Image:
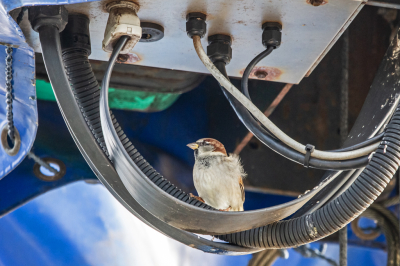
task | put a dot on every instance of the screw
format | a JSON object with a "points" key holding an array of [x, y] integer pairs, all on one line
{"points": [[261, 74], [32, 98]]}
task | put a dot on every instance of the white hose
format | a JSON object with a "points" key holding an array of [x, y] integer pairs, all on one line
{"points": [[331, 156]]}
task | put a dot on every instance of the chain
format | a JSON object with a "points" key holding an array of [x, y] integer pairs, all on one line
{"points": [[9, 108], [9, 93]]}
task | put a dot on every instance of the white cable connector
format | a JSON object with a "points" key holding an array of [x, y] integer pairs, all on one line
{"points": [[122, 21], [325, 155]]}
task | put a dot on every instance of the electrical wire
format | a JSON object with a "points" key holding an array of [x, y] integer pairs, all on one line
{"points": [[391, 201], [249, 68], [260, 133], [266, 122], [373, 140], [245, 90]]}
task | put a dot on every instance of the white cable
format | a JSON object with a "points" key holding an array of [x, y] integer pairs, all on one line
{"points": [[332, 156]]}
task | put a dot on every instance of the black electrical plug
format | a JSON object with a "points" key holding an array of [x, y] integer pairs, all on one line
{"points": [[272, 34], [219, 48], [196, 24], [56, 16], [219, 51]]}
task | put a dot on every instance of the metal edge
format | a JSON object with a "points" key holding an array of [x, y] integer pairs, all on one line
{"points": [[328, 48]]}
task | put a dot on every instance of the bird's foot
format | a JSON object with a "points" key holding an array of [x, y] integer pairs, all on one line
{"points": [[198, 198], [226, 210]]}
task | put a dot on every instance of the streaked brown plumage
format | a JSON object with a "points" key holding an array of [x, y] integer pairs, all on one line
{"points": [[218, 177]]}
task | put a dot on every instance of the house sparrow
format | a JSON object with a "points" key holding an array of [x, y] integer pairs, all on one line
{"points": [[217, 176]]}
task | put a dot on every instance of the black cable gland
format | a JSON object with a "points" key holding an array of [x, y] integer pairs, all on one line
{"points": [[219, 48], [196, 24], [272, 34], [76, 34], [48, 16]]}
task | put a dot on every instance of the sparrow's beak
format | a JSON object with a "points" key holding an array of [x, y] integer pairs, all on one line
{"points": [[193, 146]]}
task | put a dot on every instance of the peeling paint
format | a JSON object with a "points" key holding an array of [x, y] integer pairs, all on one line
{"points": [[383, 105], [393, 99], [312, 230], [396, 49]]}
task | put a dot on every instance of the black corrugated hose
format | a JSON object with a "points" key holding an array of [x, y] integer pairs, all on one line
{"points": [[283, 234], [338, 213]]}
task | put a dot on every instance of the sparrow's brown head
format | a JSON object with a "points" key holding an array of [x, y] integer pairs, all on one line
{"points": [[207, 145]]}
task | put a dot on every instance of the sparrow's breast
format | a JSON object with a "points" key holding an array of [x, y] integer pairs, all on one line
{"points": [[217, 184]]}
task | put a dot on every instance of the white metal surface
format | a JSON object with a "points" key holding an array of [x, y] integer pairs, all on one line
{"points": [[308, 33]]}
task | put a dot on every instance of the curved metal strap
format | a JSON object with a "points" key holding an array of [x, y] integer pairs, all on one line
{"points": [[170, 209], [99, 163]]}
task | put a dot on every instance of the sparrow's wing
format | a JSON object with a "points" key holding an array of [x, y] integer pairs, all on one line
{"points": [[241, 185]]}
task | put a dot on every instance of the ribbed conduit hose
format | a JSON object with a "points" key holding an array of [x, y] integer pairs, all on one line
{"points": [[87, 95], [283, 234], [336, 214]]}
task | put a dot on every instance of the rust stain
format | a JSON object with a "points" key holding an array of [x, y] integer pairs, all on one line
{"points": [[265, 73], [240, 22], [131, 58], [317, 2], [209, 17]]}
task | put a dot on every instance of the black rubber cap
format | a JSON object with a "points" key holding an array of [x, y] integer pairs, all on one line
{"points": [[48, 16], [196, 24], [220, 38], [219, 48], [272, 34]]}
